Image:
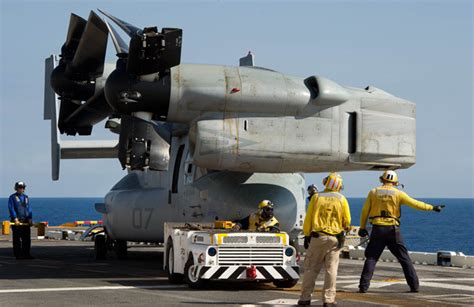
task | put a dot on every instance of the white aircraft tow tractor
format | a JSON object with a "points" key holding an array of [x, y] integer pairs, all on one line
{"points": [[214, 252]]}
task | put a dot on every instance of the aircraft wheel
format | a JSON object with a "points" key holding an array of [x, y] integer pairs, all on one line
{"points": [[120, 247], [173, 278], [100, 247], [190, 276], [285, 283]]}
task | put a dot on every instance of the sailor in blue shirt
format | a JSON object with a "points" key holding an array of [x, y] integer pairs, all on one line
{"points": [[22, 217]]}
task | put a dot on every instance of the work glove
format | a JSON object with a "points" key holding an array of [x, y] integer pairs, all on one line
{"points": [[363, 232], [17, 222], [274, 229], [237, 227], [307, 240], [438, 208]]}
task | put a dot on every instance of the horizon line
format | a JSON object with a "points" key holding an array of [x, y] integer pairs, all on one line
{"points": [[430, 197]]}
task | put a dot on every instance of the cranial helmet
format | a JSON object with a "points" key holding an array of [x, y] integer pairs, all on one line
{"points": [[19, 184], [389, 176], [265, 203], [333, 182], [312, 189]]}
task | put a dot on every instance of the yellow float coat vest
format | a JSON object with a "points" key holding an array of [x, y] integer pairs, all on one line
{"points": [[382, 206], [327, 212], [256, 223]]}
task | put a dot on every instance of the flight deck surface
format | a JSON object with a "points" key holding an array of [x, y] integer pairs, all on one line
{"points": [[66, 273]]}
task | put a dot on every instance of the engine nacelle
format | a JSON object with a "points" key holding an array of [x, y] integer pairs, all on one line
{"points": [[350, 141]]}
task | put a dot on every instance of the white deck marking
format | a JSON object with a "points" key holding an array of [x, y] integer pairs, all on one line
{"points": [[373, 285], [42, 266], [447, 286], [280, 301], [348, 276], [91, 288], [457, 298], [428, 282], [451, 297]]}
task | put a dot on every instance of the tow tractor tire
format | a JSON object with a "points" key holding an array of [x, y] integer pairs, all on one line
{"points": [[285, 283], [100, 247], [120, 248], [191, 279], [173, 278]]}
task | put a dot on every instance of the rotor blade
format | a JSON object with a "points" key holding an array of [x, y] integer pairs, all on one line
{"points": [[128, 28], [90, 54], [120, 46], [74, 33], [67, 107], [91, 112]]}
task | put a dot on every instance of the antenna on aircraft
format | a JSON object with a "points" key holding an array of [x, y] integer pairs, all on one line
{"points": [[247, 60]]}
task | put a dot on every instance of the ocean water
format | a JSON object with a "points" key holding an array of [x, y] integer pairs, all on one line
{"points": [[425, 231]]}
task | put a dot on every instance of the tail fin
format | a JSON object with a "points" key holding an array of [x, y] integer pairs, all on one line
{"points": [[51, 106]]}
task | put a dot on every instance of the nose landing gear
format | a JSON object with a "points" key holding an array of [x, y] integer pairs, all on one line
{"points": [[103, 244]]}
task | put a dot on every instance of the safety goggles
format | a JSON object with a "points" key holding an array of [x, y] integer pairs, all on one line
{"points": [[268, 209]]}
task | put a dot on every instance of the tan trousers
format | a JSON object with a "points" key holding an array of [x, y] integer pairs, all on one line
{"points": [[321, 251]]}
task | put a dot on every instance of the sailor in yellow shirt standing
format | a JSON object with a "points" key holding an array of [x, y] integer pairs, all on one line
{"points": [[382, 208], [327, 217]]}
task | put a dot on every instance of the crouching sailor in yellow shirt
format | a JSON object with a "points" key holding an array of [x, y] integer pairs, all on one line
{"points": [[262, 220], [327, 217], [382, 207]]}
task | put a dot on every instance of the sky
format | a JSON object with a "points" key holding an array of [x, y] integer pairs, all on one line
{"points": [[421, 51]]}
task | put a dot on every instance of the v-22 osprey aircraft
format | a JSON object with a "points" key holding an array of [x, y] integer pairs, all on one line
{"points": [[208, 142]]}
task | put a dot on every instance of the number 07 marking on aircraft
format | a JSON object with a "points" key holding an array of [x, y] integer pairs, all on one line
{"points": [[141, 217]]}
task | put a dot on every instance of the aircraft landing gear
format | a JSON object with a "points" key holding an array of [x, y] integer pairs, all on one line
{"points": [[103, 243], [100, 247], [120, 248]]}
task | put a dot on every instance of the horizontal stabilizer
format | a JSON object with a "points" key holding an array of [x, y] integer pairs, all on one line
{"points": [[89, 149]]}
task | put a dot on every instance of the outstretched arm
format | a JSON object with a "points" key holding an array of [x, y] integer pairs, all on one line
{"points": [[415, 204]]}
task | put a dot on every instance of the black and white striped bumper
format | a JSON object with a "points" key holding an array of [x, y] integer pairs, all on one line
{"points": [[264, 272]]}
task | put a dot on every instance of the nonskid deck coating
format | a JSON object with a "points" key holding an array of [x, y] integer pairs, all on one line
{"points": [[65, 272]]}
